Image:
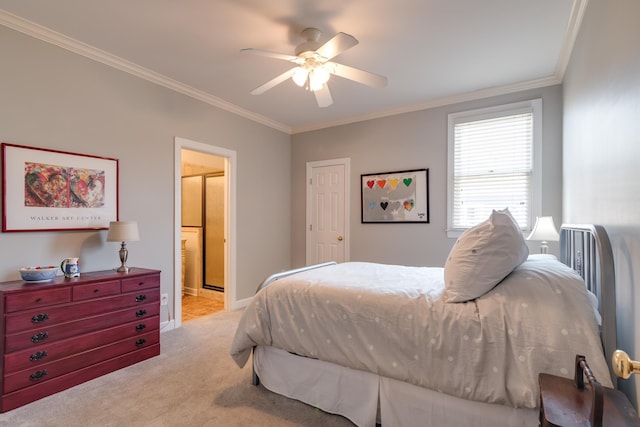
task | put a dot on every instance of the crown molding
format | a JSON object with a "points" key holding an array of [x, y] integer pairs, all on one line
{"points": [[578, 9], [436, 102], [49, 36]]}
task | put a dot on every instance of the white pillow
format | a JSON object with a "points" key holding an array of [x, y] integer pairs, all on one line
{"points": [[482, 256]]}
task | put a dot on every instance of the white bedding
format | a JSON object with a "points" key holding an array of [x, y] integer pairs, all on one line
{"points": [[489, 350]]}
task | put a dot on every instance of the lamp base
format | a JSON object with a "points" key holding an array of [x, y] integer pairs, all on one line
{"points": [[123, 269], [124, 253], [544, 247]]}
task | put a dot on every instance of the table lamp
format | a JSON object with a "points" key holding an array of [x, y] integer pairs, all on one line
{"points": [[123, 231], [544, 231]]}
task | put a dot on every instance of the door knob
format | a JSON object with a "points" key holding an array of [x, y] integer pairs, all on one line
{"points": [[339, 238]]}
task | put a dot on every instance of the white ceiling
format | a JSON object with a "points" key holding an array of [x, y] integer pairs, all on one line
{"points": [[433, 52]]}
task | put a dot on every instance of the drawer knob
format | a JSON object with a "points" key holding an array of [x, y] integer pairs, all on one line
{"points": [[140, 342], [38, 318], [141, 327], [40, 336], [141, 313], [38, 375], [141, 298], [38, 356]]}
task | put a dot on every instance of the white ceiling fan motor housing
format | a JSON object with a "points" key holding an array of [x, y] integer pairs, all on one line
{"points": [[312, 35]]}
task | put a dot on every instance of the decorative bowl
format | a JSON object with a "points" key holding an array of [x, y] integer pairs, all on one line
{"points": [[38, 274]]}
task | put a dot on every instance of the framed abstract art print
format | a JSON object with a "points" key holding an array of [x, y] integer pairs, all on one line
{"points": [[45, 190]]}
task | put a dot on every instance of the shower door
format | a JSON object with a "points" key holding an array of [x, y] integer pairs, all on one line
{"points": [[214, 232]]}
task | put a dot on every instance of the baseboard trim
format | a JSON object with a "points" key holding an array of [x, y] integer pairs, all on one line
{"points": [[167, 325]]}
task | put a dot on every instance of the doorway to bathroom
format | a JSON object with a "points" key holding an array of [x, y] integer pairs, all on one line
{"points": [[203, 187], [204, 231]]}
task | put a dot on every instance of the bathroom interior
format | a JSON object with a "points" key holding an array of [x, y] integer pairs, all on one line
{"points": [[203, 245]]}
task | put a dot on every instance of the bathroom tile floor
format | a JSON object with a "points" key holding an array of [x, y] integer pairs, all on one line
{"points": [[194, 307]]}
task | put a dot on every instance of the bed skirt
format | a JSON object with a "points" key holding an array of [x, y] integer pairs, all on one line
{"points": [[367, 399]]}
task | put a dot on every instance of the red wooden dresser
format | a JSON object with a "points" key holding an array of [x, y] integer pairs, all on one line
{"points": [[61, 333]]}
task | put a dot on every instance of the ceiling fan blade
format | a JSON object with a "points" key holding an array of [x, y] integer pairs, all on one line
{"points": [[357, 75], [338, 44], [270, 54], [323, 96], [273, 82]]}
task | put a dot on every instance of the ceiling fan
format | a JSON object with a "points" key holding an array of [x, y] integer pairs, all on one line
{"points": [[314, 66]]}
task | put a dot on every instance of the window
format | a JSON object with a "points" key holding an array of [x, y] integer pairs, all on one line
{"points": [[493, 164]]}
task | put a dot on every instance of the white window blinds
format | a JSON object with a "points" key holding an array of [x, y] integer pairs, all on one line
{"points": [[491, 167]]}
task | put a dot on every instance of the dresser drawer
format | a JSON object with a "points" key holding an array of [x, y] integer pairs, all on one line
{"points": [[50, 333], [141, 282], [46, 352], [49, 316], [37, 298], [44, 372], [95, 290]]}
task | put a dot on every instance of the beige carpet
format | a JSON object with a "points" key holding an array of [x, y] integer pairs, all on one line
{"points": [[194, 382]]}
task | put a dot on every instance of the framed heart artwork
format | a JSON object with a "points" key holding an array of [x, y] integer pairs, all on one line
{"points": [[392, 197]]}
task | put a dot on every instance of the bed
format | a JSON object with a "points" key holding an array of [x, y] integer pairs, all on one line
{"points": [[402, 346]]}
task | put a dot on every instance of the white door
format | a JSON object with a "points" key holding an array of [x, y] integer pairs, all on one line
{"points": [[327, 211]]}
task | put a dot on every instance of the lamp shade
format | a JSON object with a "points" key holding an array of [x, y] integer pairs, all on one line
{"points": [[544, 230], [123, 231]]}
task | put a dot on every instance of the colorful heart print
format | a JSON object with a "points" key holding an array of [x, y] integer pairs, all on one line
{"points": [[407, 181], [372, 205], [384, 205], [371, 183], [408, 204], [393, 183], [382, 183]]}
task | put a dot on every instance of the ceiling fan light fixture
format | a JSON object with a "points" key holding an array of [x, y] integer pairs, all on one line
{"points": [[300, 76], [314, 66], [318, 77], [321, 74]]}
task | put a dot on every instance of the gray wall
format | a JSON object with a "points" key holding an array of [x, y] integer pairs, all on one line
{"points": [[411, 141], [55, 99], [602, 149]]}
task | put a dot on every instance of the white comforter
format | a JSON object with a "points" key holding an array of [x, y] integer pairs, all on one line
{"points": [[392, 320]]}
